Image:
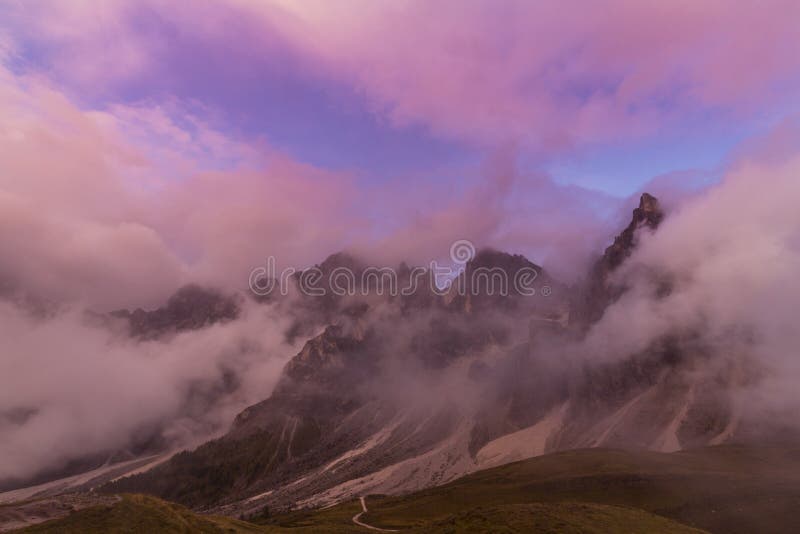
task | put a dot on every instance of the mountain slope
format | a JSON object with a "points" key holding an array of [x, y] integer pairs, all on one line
{"points": [[138, 513], [723, 489], [727, 489], [340, 410], [392, 398]]}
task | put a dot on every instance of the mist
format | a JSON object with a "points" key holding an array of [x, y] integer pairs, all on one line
{"points": [[80, 388], [721, 272]]}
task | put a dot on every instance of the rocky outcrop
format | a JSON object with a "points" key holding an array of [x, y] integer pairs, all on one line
{"points": [[648, 215], [600, 291], [190, 308], [495, 280]]}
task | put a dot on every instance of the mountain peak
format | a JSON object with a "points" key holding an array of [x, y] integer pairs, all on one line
{"points": [[649, 211], [341, 259], [649, 214], [648, 201], [191, 307], [491, 258]]}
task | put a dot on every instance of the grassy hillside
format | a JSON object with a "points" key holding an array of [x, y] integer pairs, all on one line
{"points": [[718, 489], [560, 518], [142, 514]]}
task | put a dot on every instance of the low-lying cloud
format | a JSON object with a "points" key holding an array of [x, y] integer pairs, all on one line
{"points": [[722, 270], [74, 388]]}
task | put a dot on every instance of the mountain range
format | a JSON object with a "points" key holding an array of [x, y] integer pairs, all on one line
{"points": [[400, 393]]}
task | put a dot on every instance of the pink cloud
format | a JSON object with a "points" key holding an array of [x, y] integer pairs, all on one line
{"points": [[120, 206], [546, 74], [166, 184], [539, 73], [731, 258], [500, 206]]}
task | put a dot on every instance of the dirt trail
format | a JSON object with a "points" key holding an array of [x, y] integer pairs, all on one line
{"points": [[357, 518]]}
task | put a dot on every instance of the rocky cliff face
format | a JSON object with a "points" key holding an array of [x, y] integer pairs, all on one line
{"points": [[600, 291], [397, 394], [648, 215]]}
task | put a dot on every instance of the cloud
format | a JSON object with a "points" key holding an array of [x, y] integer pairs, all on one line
{"points": [[547, 76], [538, 74], [730, 258], [120, 206], [502, 206], [104, 393], [131, 201]]}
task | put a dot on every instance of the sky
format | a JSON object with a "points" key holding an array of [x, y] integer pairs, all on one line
{"points": [[149, 143]]}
